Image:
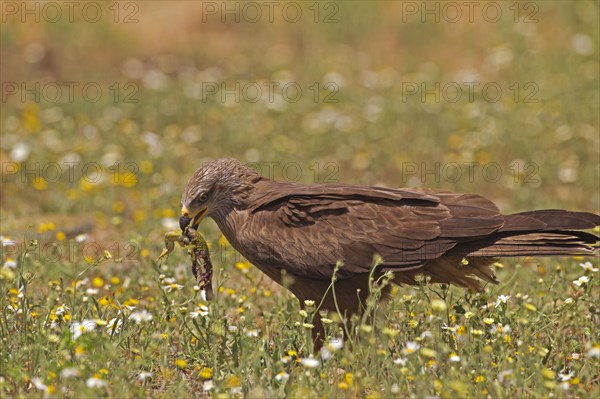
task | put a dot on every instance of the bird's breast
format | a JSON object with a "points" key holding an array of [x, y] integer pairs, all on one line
{"points": [[251, 242]]}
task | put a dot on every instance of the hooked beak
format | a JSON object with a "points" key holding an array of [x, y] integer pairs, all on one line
{"points": [[186, 218]]}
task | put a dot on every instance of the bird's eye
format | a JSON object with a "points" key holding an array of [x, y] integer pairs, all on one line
{"points": [[201, 198]]}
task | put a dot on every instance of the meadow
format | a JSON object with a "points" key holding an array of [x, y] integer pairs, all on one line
{"points": [[103, 122]]}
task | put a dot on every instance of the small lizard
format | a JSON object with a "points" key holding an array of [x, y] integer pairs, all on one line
{"points": [[199, 254]]}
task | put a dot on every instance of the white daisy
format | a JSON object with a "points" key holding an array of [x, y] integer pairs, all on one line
{"points": [[310, 362], [588, 266], [141, 316], [502, 299], [583, 280], [95, 382], [78, 329]]}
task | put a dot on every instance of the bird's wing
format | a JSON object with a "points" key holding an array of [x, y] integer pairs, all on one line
{"points": [[274, 192], [308, 229]]}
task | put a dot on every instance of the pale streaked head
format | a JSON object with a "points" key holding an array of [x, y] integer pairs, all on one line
{"points": [[214, 189]]}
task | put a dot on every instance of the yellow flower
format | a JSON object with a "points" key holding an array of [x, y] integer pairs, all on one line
{"points": [[428, 352], [390, 332], [146, 167], [479, 379], [223, 241], [438, 305], [126, 179], [118, 206], [366, 328], [86, 185], [79, 350], [242, 266], [343, 385], [455, 141], [105, 301], [40, 184], [205, 373], [267, 293], [349, 378], [72, 195], [30, 119], [550, 384], [130, 302], [530, 307], [98, 282], [541, 269], [549, 374], [139, 216], [167, 213], [180, 363], [233, 381]]}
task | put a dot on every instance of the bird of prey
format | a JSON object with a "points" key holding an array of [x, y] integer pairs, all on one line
{"points": [[305, 230]]}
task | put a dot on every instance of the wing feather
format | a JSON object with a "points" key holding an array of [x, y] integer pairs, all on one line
{"points": [[328, 223]]}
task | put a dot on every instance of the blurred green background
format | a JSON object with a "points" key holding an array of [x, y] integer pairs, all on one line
{"points": [[150, 127]]}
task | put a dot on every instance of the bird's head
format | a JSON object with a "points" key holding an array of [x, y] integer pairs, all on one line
{"points": [[216, 187]]}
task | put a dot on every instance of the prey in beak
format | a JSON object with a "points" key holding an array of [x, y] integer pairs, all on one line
{"points": [[185, 219]]}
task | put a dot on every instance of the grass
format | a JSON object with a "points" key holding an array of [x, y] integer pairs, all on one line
{"points": [[149, 333], [87, 312]]}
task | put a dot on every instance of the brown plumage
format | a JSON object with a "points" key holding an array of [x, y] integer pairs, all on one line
{"points": [[306, 229]]}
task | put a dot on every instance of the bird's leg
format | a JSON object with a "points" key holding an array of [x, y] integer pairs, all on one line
{"points": [[318, 333]]}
